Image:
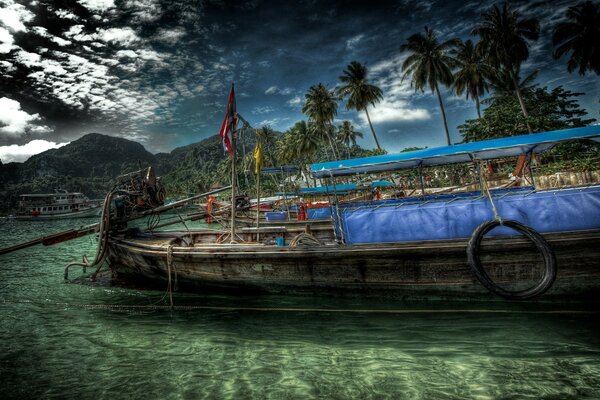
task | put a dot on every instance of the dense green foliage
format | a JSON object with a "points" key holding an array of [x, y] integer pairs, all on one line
{"points": [[548, 110]]}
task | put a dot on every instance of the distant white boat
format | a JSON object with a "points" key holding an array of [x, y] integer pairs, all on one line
{"points": [[58, 205]]}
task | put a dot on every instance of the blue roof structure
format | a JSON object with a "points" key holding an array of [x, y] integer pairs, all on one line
{"points": [[342, 189], [459, 153]]}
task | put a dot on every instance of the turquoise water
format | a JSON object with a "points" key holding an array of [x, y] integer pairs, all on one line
{"points": [[83, 340]]}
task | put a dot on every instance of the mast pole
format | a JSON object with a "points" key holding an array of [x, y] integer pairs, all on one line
{"points": [[233, 176]]}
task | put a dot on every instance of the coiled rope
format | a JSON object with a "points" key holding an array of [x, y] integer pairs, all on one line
{"points": [[304, 239]]}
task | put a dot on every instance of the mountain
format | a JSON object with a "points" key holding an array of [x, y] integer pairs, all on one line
{"points": [[90, 164]]}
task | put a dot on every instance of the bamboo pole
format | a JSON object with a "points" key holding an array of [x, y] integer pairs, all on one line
{"points": [[233, 183], [258, 206]]}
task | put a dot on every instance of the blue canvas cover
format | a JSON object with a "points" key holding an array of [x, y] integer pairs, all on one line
{"points": [[319, 213], [545, 211]]}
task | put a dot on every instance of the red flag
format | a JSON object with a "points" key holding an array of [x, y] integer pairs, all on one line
{"points": [[229, 123]]}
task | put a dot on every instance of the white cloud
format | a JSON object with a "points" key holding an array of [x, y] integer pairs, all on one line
{"points": [[122, 36], [390, 110], [6, 41], [397, 93], [44, 33], [169, 36], [276, 90], [15, 122], [14, 15], [273, 123], [294, 102], [17, 153], [97, 5], [352, 42], [262, 110], [65, 14]]}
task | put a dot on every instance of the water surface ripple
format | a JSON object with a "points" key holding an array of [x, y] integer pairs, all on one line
{"points": [[83, 340]]}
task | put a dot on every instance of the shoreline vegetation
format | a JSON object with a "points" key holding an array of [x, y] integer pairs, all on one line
{"points": [[486, 70]]}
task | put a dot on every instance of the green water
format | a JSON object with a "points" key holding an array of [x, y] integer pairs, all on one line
{"points": [[83, 340]]}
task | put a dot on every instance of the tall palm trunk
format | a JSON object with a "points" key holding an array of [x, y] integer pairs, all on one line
{"points": [[333, 149], [478, 106], [520, 97], [437, 90], [372, 130]]}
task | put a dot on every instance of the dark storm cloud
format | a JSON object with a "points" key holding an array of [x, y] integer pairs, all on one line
{"points": [[159, 71]]}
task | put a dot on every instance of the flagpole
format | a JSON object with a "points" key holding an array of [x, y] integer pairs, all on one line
{"points": [[233, 177]]}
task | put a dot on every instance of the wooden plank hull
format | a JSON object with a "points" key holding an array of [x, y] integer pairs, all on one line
{"points": [[398, 270]]}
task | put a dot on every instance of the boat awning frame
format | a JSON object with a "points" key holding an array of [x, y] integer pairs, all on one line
{"points": [[280, 170], [460, 153], [343, 188]]}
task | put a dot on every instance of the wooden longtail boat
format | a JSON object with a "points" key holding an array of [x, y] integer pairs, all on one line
{"points": [[431, 246]]}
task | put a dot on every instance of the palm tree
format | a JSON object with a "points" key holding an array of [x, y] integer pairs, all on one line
{"points": [[581, 36], [428, 64], [307, 143], [471, 73], [504, 39], [267, 138], [501, 84], [346, 135], [321, 107], [359, 92]]}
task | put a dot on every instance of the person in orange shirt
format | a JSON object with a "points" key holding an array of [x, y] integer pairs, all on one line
{"points": [[209, 207]]}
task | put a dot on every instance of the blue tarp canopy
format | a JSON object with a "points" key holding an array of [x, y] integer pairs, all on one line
{"points": [[459, 153], [343, 188]]}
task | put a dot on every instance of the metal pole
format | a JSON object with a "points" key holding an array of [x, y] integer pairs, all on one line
{"points": [[422, 182], [529, 156]]}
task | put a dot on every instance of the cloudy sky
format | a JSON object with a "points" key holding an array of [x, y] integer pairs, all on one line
{"points": [[159, 71]]}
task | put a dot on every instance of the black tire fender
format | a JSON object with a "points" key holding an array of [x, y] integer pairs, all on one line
{"points": [[473, 256]]}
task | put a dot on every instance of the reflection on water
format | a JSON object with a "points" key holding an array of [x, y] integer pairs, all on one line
{"points": [[95, 340]]}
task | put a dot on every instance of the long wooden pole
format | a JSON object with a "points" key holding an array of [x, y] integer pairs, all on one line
{"points": [[258, 206], [233, 180]]}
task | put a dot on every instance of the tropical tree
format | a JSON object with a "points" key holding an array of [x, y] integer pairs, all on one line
{"points": [[549, 110], [429, 64], [347, 135], [321, 107], [580, 35], [501, 85], [307, 143], [359, 91], [266, 136], [504, 37], [472, 70]]}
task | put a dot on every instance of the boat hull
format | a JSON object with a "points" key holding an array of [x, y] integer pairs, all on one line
{"points": [[399, 270], [90, 212]]}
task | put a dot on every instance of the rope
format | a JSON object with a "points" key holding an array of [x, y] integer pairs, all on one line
{"points": [[103, 234], [169, 266], [486, 189], [304, 239]]}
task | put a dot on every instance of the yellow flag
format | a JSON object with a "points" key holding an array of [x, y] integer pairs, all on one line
{"points": [[258, 158]]}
